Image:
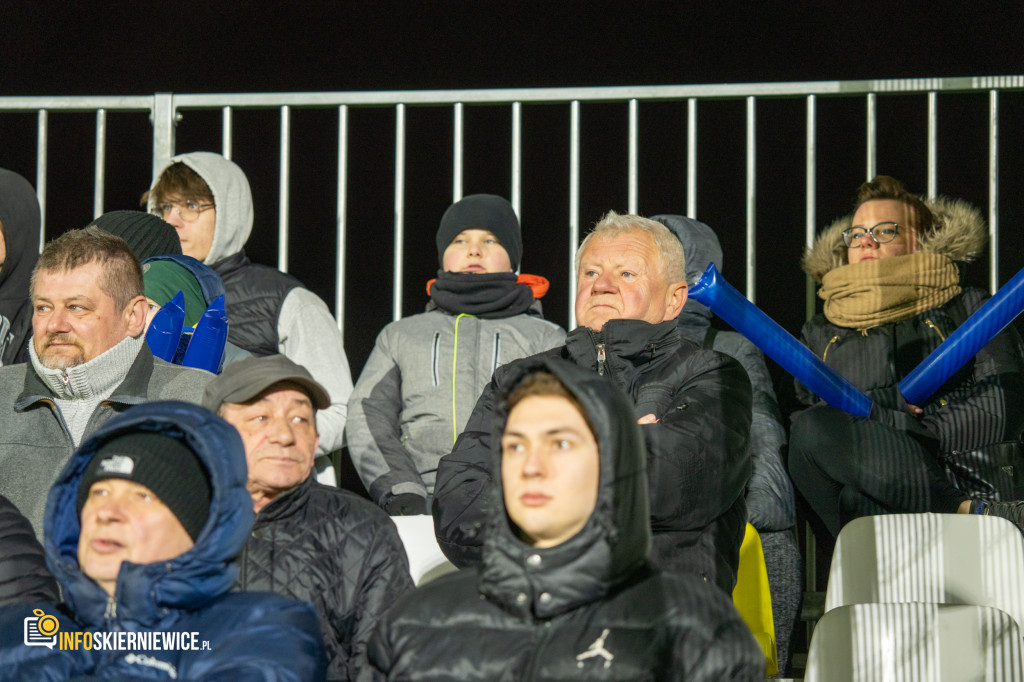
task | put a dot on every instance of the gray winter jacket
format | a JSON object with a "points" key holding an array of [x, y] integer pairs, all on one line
{"points": [[419, 387], [770, 503], [35, 443]]}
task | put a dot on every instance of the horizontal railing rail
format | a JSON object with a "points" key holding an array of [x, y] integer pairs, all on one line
{"points": [[164, 110]]}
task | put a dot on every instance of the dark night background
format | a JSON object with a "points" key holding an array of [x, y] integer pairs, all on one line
{"points": [[103, 48]]}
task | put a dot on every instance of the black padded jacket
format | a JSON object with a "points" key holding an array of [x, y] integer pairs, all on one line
{"points": [[333, 549], [697, 460], [590, 608]]}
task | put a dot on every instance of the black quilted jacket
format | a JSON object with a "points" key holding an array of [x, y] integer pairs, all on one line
{"points": [[335, 550], [23, 574], [697, 460]]}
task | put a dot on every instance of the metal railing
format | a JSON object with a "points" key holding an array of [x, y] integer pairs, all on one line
{"points": [[164, 110]]}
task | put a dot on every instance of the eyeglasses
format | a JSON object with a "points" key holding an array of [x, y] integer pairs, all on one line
{"points": [[882, 233], [188, 210]]}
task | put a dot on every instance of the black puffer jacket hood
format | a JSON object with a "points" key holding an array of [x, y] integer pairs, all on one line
{"points": [[616, 538], [959, 234]]}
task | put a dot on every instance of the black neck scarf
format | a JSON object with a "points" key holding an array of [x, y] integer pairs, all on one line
{"points": [[490, 295]]}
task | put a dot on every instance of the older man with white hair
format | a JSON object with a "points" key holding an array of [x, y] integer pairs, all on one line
{"points": [[693, 406]]}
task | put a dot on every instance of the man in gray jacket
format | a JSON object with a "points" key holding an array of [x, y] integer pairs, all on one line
{"points": [[88, 361]]}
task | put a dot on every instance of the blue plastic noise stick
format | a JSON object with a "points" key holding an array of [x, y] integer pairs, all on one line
{"points": [[206, 349], [165, 328], [778, 344], [964, 343]]}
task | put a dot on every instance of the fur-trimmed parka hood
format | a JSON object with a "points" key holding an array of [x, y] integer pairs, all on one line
{"points": [[960, 234]]}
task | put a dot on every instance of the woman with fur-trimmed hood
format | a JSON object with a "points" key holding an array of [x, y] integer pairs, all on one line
{"points": [[891, 284]]}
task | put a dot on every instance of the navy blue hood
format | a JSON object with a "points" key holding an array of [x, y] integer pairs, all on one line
{"points": [[150, 593], [210, 282]]}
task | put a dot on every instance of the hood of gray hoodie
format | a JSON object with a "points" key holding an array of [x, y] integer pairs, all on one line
{"points": [[700, 247], [232, 197]]}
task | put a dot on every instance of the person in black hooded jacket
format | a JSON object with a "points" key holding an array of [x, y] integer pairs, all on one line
{"points": [[19, 250], [693, 406], [23, 573], [566, 589]]}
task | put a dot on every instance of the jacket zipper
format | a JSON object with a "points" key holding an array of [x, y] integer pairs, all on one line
{"points": [[935, 328], [545, 634], [600, 359], [829, 345]]}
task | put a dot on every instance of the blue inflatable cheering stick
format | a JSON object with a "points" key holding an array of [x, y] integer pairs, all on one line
{"points": [[778, 344], [964, 343], [206, 349], [165, 329]]}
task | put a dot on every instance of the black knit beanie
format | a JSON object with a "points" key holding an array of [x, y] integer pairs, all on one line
{"points": [[482, 212], [163, 464], [146, 234]]}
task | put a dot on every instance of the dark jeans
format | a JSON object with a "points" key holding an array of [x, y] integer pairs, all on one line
{"points": [[847, 467]]}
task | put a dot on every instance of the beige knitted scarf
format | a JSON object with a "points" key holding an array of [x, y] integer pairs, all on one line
{"points": [[870, 293]]}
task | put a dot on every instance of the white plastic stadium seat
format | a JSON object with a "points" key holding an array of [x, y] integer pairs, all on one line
{"points": [[929, 558], [914, 643], [426, 561]]}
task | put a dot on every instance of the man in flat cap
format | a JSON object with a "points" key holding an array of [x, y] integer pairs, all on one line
{"points": [[310, 541]]}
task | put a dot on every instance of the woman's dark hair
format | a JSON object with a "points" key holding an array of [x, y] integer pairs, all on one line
{"points": [[885, 187]]}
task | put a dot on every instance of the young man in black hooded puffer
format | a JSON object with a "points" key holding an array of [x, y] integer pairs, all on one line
{"points": [[565, 589]]}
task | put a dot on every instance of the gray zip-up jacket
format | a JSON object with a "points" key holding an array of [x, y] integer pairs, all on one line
{"points": [[419, 387]]}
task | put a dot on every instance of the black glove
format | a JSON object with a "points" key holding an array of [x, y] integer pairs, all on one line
{"points": [[406, 504]]}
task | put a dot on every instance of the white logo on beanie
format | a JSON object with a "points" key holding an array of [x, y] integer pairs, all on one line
{"points": [[118, 464]]}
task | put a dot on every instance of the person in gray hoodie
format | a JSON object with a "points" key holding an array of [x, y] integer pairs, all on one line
{"points": [[771, 508], [426, 371], [207, 199]]}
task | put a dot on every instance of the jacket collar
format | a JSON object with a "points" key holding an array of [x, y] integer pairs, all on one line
{"points": [[287, 503], [229, 264], [131, 391], [626, 343]]}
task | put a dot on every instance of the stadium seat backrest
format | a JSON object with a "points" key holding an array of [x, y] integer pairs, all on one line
{"points": [[929, 558], [914, 643], [426, 561]]}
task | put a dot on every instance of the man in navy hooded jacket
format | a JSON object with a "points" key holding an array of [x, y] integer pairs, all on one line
{"points": [[143, 528]]}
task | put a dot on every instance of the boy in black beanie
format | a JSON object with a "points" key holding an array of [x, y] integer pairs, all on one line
{"points": [[426, 372]]}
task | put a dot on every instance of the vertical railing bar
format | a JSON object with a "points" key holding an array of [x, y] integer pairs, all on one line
{"points": [[574, 204], [933, 143], [993, 189], [396, 296], [872, 134], [811, 194], [283, 185], [99, 170], [164, 119], [226, 133], [457, 152], [810, 229], [342, 217], [517, 158], [42, 135], [751, 197], [633, 152], [691, 158]]}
